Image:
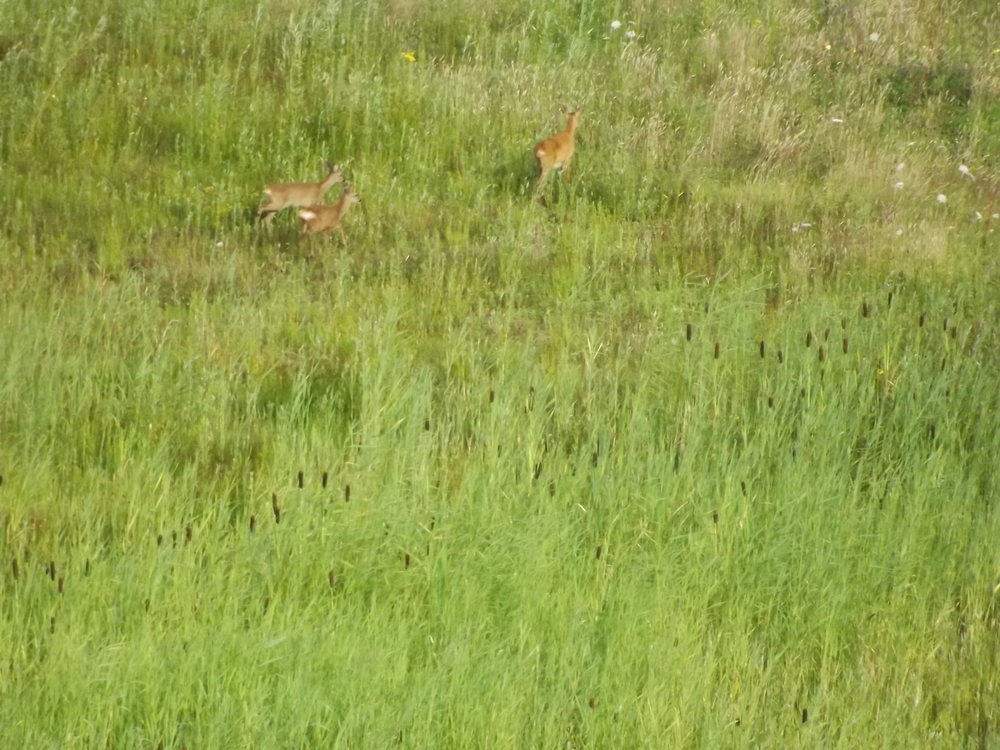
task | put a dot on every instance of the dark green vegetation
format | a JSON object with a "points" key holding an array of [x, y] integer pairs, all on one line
{"points": [[699, 451]]}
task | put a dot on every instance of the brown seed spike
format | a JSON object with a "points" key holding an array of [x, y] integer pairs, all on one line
{"points": [[715, 516], [324, 479], [805, 715], [599, 552], [826, 335], [716, 349], [173, 535], [933, 431], [770, 402], [253, 522], [689, 331], [954, 332], [809, 339], [332, 579], [845, 345], [52, 571], [743, 487], [159, 540], [52, 624], [781, 357], [592, 702], [822, 354], [538, 470], [86, 568], [889, 303], [762, 348], [407, 559], [60, 584], [492, 395], [187, 534], [864, 309], [943, 361], [301, 479], [921, 320], [275, 508], [946, 324], [13, 565], [146, 605], [427, 425], [347, 493], [593, 459]]}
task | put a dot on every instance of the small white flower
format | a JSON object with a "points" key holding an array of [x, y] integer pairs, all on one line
{"points": [[965, 170], [805, 225], [218, 244], [899, 232], [630, 34], [873, 37], [995, 216], [836, 120], [979, 216], [795, 227], [942, 198], [900, 167], [615, 25], [898, 186]]}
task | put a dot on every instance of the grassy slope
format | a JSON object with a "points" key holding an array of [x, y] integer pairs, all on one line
{"points": [[568, 520]]}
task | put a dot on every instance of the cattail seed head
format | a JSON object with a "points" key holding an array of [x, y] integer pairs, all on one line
{"points": [[347, 493], [943, 361], [781, 357], [845, 345], [427, 425], [689, 331], [187, 534], [14, 568], [253, 523], [921, 320], [889, 303], [762, 348], [86, 568], [275, 508], [301, 479], [715, 516], [60, 584], [407, 559], [743, 488], [809, 339], [598, 552], [864, 309], [770, 402], [173, 537], [592, 702], [822, 354], [325, 477], [52, 571], [332, 579], [716, 349], [159, 540], [492, 395], [954, 332], [805, 715], [826, 334], [52, 624]]}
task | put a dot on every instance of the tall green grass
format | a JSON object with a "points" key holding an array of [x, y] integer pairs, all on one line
{"points": [[696, 450]]}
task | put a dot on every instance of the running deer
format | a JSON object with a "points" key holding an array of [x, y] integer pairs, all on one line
{"points": [[298, 194], [327, 218], [556, 152]]}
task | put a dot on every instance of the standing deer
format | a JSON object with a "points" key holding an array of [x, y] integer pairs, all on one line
{"points": [[298, 194], [556, 152], [327, 218]]}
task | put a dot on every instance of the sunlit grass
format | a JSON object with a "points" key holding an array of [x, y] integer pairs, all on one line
{"points": [[698, 451]]}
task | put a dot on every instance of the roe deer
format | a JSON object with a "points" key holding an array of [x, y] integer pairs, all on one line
{"points": [[556, 152], [298, 194], [327, 218]]}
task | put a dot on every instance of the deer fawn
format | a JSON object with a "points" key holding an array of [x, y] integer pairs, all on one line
{"points": [[298, 194], [556, 152], [327, 218]]}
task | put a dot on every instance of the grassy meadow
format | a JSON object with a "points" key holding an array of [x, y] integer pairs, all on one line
{"points": [[698, 449]]}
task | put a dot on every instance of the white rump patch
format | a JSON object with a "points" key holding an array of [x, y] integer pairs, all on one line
{"points": [[307, 215]]}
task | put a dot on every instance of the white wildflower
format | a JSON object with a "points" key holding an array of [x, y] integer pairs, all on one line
{"points": [[898, 186], [873, 37], [615, 25], [630, 34], [942, 198], [965, 170], [900, 167], [899, 232], [836, 120]]}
